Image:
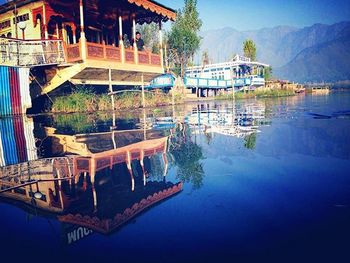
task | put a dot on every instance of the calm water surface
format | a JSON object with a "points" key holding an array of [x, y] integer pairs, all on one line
{"points": [[257, 180]]}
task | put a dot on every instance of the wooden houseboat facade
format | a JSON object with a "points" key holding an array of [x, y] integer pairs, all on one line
{"points": [[81, 41]]}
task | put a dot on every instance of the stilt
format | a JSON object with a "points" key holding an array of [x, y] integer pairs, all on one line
{"points": [[144, 125], [130, 171], [143, 92], [112, 96], [95, 197]]}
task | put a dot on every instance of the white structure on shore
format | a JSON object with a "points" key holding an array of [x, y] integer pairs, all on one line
{"points": [[240, 71]]}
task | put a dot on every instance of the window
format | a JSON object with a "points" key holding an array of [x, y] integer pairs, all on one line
{"points": [[5, 24], [21, 18]]}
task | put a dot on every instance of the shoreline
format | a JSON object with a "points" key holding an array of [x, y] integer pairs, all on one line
{"points": [[131, 102]]}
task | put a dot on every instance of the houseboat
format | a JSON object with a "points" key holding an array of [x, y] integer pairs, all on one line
{"points": [[80, 41], [239, 72]]}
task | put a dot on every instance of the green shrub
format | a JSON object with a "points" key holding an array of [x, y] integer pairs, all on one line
{"points": [[85, 100]]}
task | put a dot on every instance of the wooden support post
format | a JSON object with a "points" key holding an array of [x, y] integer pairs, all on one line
{"points": [[143, 91], [74, 32], [95, 197], [111, 89], [46, 34], [161, 45], [128, 164], [64, 34], [136, 57], [142, 156], [57, 31], [144, 125], [82, 32], [165, 160], [121, 43], [166, 57]]}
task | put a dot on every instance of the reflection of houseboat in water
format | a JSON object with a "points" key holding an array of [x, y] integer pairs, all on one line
{"points": [[322, 90], [96, 187], [228, 121]]}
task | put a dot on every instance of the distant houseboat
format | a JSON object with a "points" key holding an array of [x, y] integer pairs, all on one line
{"points": [[240, 72]]}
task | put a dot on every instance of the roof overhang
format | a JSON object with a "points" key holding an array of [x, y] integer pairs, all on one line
{"points": [[11, 5], [155, 7]]}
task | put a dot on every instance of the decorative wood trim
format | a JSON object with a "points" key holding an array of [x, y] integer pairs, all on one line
{"points": [[73, 53], [35, 12], [144, 57], [129, 56], [155, 8], [106, 226]]}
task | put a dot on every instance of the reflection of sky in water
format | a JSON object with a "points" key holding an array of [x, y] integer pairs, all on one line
{"points": [[276, 187]]}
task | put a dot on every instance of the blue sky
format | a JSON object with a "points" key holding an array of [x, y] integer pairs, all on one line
{"points": [[256, 14]]}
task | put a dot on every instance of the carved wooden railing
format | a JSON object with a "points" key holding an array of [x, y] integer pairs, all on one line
{"points": [[156, 60], [73, 53], [105, 52], [95, 51], [111, 53], [129, 56], [149, 58], [144, 57]]}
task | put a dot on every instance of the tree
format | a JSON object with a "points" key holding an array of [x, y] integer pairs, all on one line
{"points": [[268, 73], [184, 39], [205, 58], [250, 141], [150, 36], [249, 49], [187, 157]]}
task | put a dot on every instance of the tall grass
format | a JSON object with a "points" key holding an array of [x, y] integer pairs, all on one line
{"points": [[259, 93], [87, 101]]}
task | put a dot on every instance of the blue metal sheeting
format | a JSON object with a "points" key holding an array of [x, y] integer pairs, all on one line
{"points": [[5, 95], [14, 91], [17, 142], [8, 141]]}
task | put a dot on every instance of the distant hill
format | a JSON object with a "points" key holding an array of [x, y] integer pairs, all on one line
{"points": [[329, 61], [288, 49]]}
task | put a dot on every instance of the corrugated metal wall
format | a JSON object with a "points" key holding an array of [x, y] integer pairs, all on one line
{"points": [[17, 142], [14, 91]]}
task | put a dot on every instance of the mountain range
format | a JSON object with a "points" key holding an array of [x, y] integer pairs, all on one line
{"points": [[311, 54]]}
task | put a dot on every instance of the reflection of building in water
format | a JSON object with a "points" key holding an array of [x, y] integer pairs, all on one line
{"points": [[17, 143], [99, 190], [230, 120], [99, 151]]}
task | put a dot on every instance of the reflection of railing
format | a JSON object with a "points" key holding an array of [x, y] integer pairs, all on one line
{"points": [[22, 174], [108, 225], [16, 52]]}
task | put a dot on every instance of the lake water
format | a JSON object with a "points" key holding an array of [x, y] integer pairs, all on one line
{"points": [[255, 180]]}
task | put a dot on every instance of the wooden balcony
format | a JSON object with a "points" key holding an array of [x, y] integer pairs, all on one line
{"points": [[112, 54], [91, 66]]}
